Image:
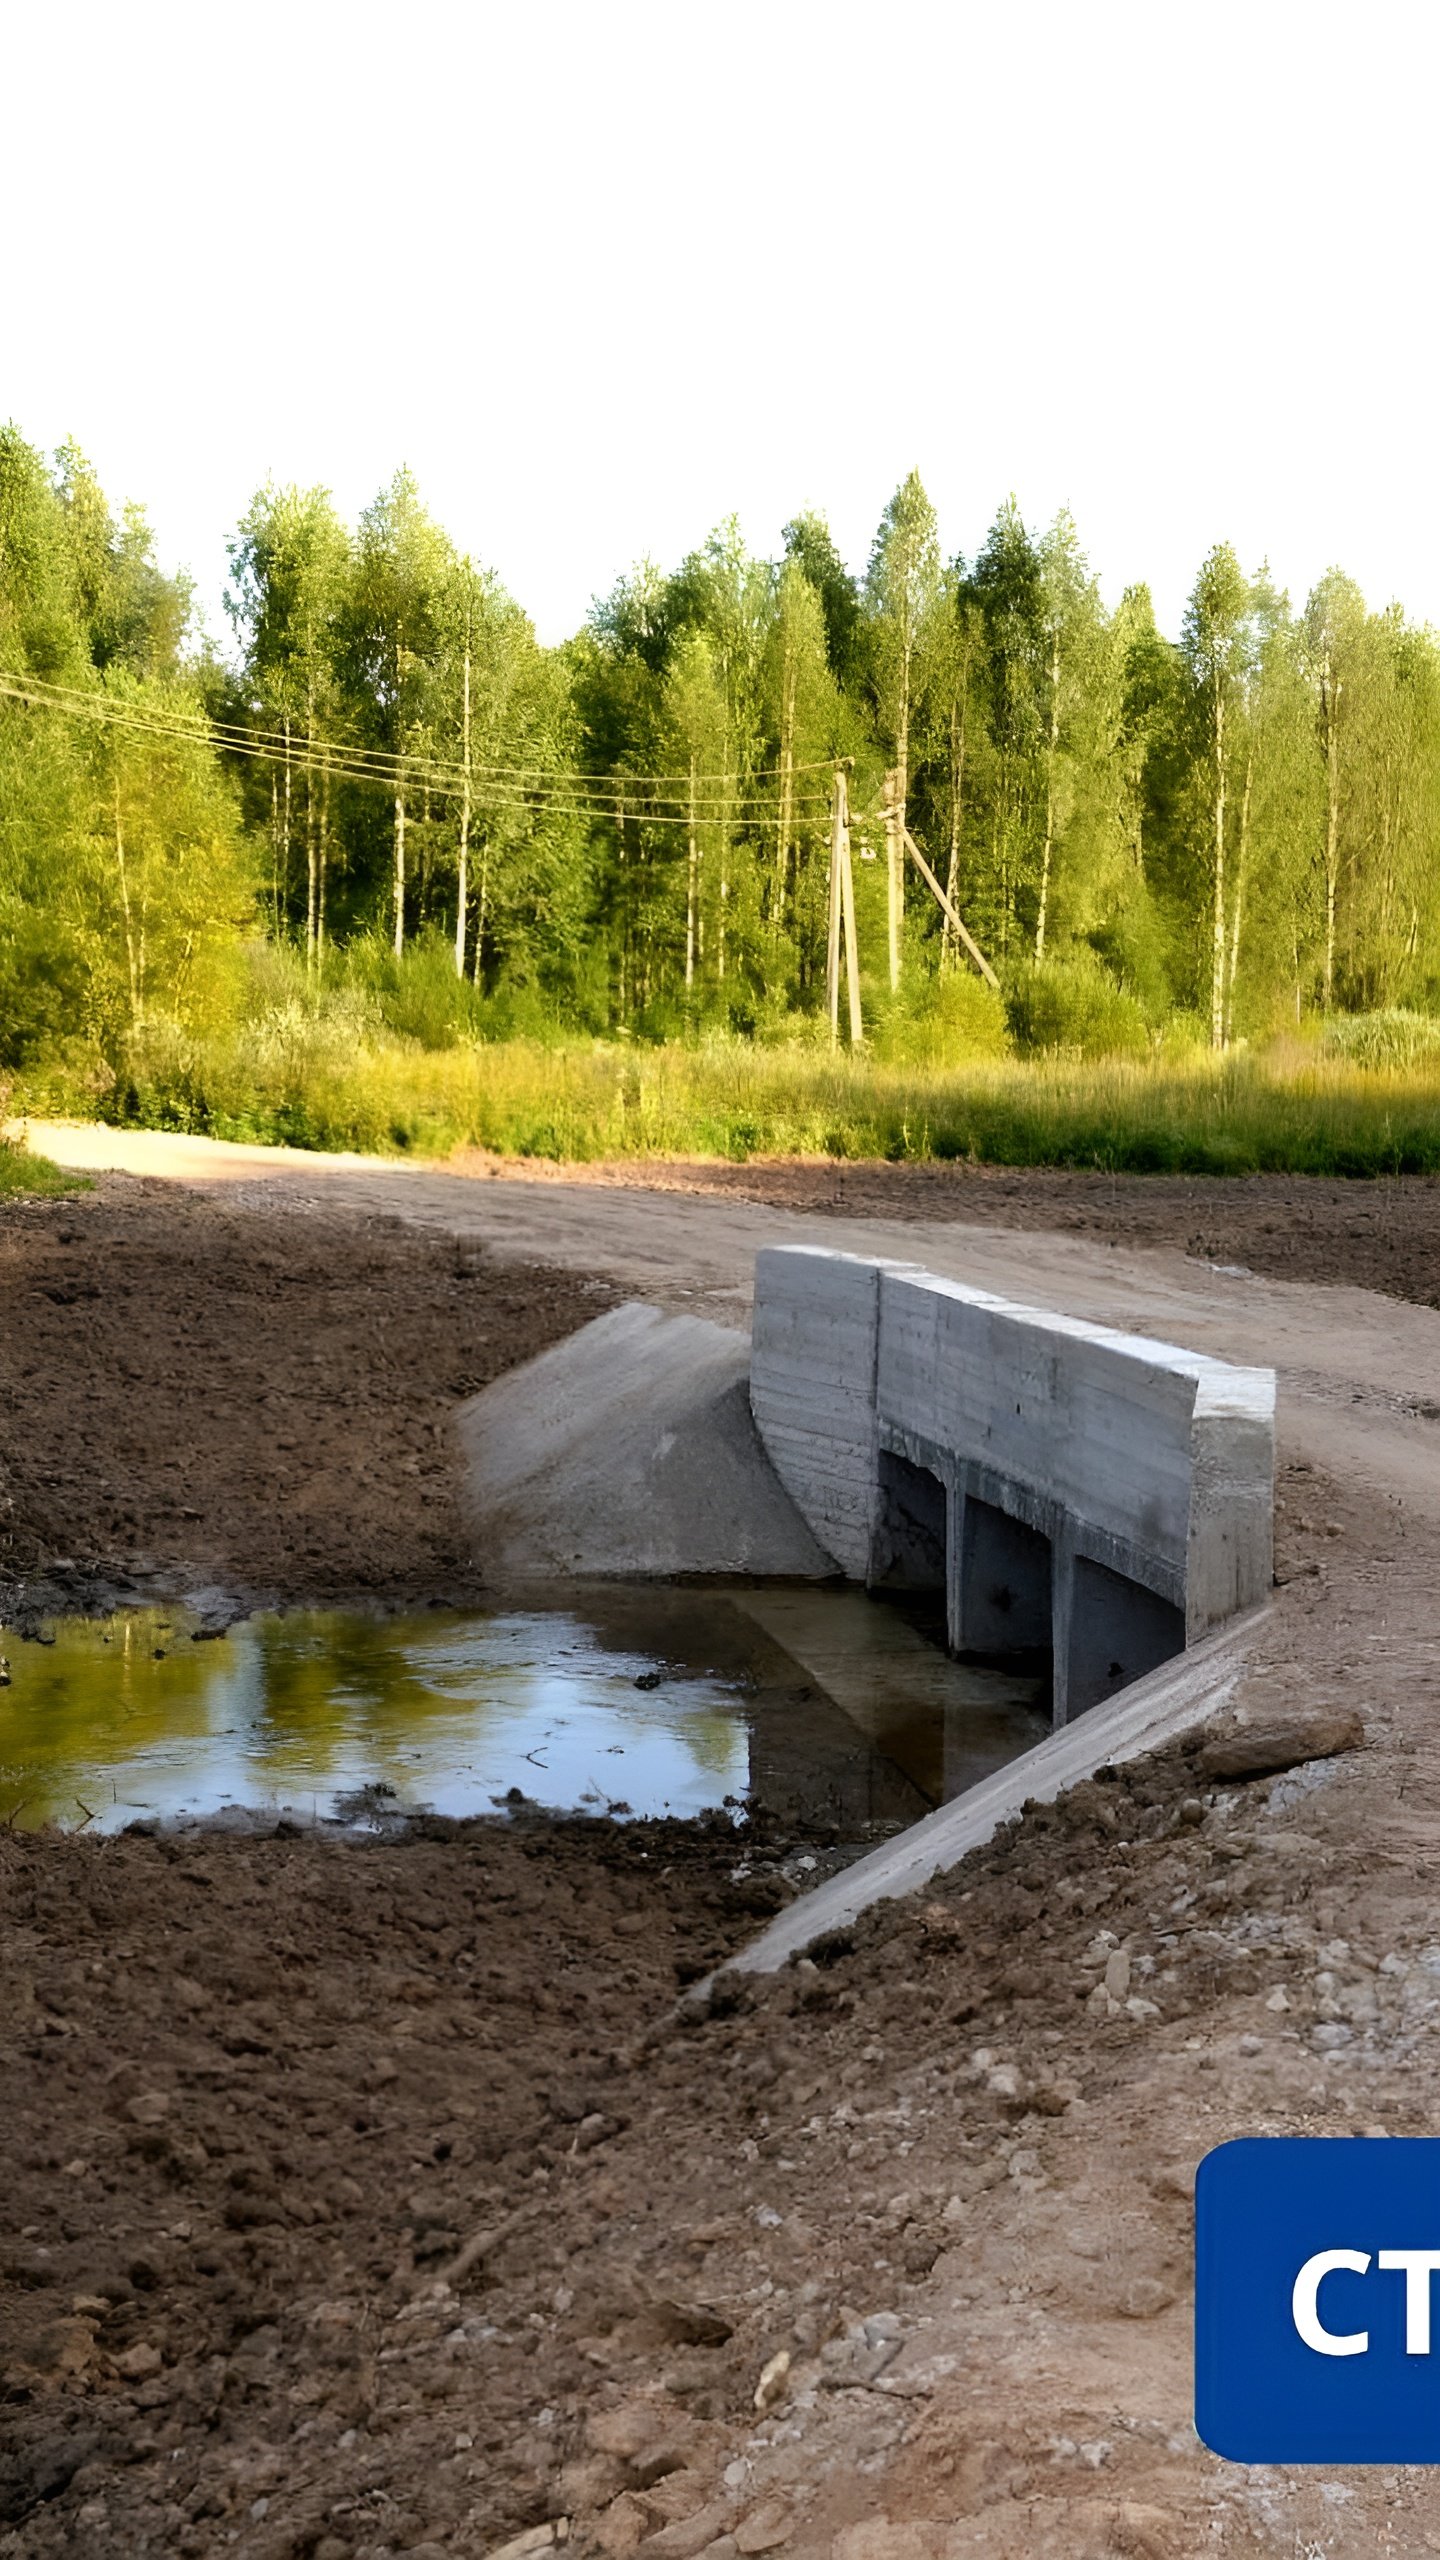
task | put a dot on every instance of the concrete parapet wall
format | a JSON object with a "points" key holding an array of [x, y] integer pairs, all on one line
{"points": [[1092, 1493]]}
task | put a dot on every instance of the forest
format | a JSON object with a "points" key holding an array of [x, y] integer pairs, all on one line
{"points": [[377, 814]]}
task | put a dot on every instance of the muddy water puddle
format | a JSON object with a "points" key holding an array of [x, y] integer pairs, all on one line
{"points": [[828, 1706]]}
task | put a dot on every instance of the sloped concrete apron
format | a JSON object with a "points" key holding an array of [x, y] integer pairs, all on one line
{"points": [[1169, 1702]]}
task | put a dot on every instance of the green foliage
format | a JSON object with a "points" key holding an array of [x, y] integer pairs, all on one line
{"points": [[329, 1076], [1073, 1008], [1392, 1038], [24, 1176], [938, 1024], [460, 844]]}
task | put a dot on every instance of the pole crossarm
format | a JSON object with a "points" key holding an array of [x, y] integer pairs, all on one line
{"points": [[950, 911]]}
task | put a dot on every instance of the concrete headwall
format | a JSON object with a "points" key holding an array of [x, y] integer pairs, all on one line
{"points": [[1091, 1493]]}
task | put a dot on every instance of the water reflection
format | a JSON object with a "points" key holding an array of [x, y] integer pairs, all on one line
{"points": [[641, 1703]]}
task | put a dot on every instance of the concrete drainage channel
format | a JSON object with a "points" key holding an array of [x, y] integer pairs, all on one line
{"points": [[1070, 1492]]}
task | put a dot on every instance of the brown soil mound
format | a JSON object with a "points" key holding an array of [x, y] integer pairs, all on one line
{"points": [[191, 1392]]}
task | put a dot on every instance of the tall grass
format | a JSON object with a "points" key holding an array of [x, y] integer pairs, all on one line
{"points": [[333, 1078]]}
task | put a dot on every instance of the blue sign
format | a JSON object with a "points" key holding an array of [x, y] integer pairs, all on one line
{"points": [[1317, 2301]]}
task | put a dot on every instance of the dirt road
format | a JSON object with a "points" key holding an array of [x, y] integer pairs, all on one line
{"points": [[267, 2091], [1359, 1372]]}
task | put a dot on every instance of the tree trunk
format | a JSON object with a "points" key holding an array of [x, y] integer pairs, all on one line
{"points": [[1048, 848], [1330, 703], [275, 906], [787, 784], [131, 964], [463, 864], [1242, 864], [399, 874], [894, 870], [1217, 957], [481, 918], [320, 869], [957, 802]]}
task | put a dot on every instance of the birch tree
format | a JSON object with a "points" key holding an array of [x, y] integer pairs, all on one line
{"points": [[1215, 643], [903, 594]]}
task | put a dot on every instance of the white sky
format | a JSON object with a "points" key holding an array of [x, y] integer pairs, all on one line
{"points": [[603, 271]]}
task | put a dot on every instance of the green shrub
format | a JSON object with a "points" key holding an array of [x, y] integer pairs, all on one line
{"points": [[1073, 1007], [1393, 1038], [937, 1022]]}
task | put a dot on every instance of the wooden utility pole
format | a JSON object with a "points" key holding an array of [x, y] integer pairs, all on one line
{"points": [[692, 878], [832, 937], [842, 913], [847, 913], [894, 810], [463, 881]]}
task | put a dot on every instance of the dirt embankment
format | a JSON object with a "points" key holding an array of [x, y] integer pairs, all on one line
{"points": [[373, 2199], [369, 2199], [197, 1395]]}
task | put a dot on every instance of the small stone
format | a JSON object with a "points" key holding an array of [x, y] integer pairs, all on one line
{"points": [[690, 2535], [1329, 2037], [1279, 2001], [765, 2529], [151, 2107], [1251, 2045], [1117, 1973], [330, 2547], [626, 2432], [1144, 2297], [770, 2388], [138, 2363], [1279, 1738], [521, 2546]]}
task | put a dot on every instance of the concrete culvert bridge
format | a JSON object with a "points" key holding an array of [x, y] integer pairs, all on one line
{"points": [[1089, 1494]]}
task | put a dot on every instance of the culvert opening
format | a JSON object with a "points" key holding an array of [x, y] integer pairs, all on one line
{"points": [[1118, 1631], [910, 1530], [1005, 1585]]}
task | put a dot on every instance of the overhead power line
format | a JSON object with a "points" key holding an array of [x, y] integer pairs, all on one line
{"points": [[705, 798]]}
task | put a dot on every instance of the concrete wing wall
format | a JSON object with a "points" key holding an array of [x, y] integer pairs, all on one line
{"points": [[812, 1390]]}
